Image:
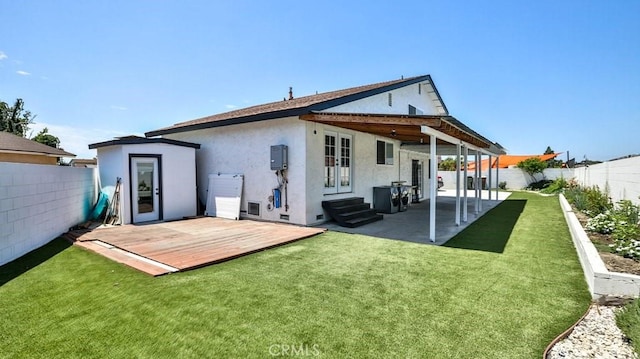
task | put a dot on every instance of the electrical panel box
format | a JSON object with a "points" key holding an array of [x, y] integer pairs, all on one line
{"points": [[279, 157]]}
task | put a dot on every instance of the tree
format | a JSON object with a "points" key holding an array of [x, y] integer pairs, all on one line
{"points": [[448, 164], [46, 138], [552, 163], [532, 166], [14, 119]]}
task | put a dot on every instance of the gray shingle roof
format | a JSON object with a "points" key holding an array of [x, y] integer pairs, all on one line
{"points": [[16, 144], [293, 107]]}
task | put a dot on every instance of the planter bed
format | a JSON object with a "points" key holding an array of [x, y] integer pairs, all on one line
{"points": [[602, 282]]}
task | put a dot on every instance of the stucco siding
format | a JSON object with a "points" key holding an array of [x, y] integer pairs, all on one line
{"points": [[401, 99], [366, 172], [245, 149]]}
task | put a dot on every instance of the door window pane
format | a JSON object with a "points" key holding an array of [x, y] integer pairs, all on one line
{"points": [[329, 161], [145, 187], [345, 162]]}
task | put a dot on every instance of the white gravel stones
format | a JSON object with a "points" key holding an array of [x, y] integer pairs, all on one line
{"points": [[597, 336]]}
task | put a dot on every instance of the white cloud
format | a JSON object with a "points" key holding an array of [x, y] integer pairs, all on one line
{"points": [[77, 140], [3, 56], [121, 108], [23, 73], [230, 107]]}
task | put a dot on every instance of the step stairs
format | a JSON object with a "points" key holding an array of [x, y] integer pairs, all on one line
{"points": [[351, 212]]}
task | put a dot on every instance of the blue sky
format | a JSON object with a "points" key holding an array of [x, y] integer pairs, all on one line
{"points": [[527, 74]]}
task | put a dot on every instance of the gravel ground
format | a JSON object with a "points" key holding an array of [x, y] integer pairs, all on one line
{"points": [[597, 336]]}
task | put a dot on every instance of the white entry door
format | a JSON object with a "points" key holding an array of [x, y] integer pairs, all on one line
{"points": [[145, 189], [338, 162]]}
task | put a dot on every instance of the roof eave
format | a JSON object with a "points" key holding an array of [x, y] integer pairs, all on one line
{"points": [[228, 122], [142, 140], [65, 154]]}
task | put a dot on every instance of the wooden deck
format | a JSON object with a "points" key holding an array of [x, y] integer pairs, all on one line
{"points": [[166, 247]]}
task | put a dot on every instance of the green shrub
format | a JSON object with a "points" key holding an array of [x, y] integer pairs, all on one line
{"points": [[628, 211], [557, 186], [577, 198], [603, 223], [597, 201], [623, 225], [627, 248], [539, 185]]}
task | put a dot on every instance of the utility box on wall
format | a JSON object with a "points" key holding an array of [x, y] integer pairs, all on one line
{"points": [[279, 154]]}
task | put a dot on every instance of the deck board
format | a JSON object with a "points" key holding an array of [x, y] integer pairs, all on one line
{"points": [[198, 242]]}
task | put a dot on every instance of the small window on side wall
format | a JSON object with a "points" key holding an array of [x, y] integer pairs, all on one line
{"points": [[384, 153], [390, 99]]}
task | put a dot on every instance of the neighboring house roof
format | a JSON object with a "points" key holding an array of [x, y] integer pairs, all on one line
{"points": [[10, 143], [299, 106], [506, 161], [137, 140]]}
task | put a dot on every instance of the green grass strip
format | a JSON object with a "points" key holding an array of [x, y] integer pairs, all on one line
{"points": [[503, 288]]}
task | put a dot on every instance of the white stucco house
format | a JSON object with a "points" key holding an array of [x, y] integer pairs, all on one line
{"points": [[340, 144]]}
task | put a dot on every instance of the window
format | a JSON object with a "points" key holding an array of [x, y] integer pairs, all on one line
{"points": [[415, 111], [390, 99], [384, 153], [419, 89]]}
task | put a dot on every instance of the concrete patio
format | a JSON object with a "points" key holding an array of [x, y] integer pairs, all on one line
{"points": [[413, 224]]}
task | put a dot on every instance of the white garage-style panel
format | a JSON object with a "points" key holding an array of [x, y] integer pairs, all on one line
{"points": [[224, 195]]}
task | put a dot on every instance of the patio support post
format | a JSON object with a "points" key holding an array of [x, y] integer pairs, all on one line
{"points": [[458, 154], [489, 177], [497, 175], [465, 185], [476, 182], [481, 187], [433, 188]]}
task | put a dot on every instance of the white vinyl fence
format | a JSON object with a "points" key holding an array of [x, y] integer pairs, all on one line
{"points": [[621, 178], [40, 202]]}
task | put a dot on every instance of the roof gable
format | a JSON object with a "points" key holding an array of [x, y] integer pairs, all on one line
{"points": [[294, 107], [10, 143]]}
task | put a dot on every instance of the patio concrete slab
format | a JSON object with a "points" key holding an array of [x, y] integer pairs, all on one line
{"points": [[413, 224]]}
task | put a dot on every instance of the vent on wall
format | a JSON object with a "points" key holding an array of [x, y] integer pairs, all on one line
{"points": [[253, 208]]}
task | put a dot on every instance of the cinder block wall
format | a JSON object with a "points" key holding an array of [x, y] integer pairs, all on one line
{"points": [[40, 202], [514, 177], [620, 177]]}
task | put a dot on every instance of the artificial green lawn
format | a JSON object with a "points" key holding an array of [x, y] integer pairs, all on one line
{"points": [[628, 321], [503, 288]]}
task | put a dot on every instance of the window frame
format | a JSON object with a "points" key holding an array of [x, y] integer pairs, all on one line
{"points": [[387, 152]]}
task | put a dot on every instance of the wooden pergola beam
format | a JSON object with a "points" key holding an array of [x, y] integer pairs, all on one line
{"points": [[374, 119], [405, 128]]}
